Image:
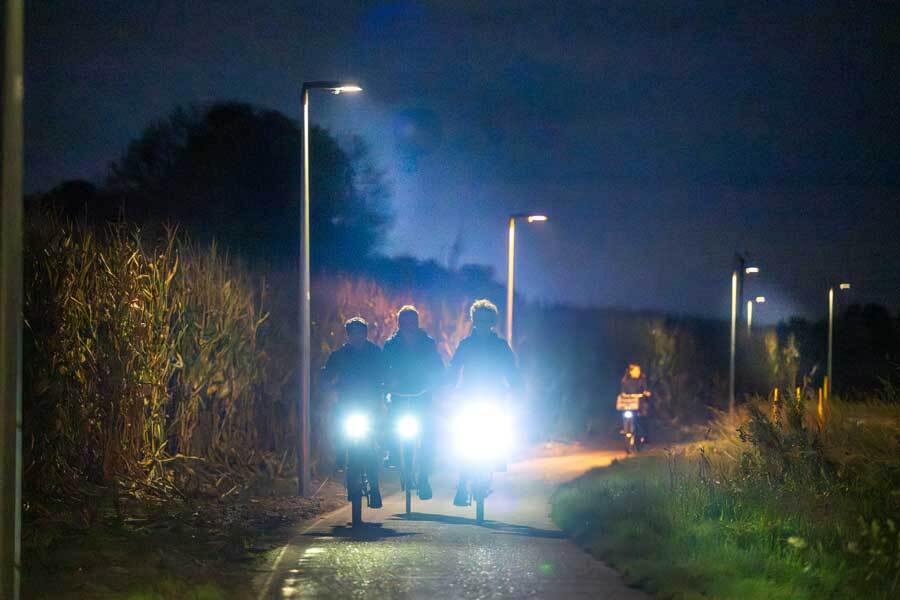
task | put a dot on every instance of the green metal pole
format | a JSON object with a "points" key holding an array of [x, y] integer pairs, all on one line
{"points": [[11, 303]]}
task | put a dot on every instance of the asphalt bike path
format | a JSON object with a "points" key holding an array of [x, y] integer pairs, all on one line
{"points": [[438, 551]]}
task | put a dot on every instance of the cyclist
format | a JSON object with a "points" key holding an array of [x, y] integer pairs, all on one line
{"points": [[483, 364], [635, 382], [414, 369], [357, 372]]}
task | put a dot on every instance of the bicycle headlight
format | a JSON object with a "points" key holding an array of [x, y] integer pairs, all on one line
{"points": [[408, 427], [356, 426], [483, 432]]}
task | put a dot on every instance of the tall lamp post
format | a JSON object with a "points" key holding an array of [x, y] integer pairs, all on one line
{"points": [[830, 384], [757, 300], [511, 269], [11, 302], [303, 472], [737, 287]]}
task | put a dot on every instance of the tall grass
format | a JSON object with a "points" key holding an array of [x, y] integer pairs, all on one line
{"points": [[142, 358], [779, 505]]}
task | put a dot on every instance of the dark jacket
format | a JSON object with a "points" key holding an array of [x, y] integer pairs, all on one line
{"points": [[358, 375], [412, 367], [634, 386], [631, 385], [484, 362]]}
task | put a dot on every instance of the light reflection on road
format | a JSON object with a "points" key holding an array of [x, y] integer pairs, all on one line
{"points": [[439, 551]]}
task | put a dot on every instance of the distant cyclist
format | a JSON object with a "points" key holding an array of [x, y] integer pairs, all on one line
{"points": [[483, 364], [635, 382], [357, 372], [414, 369]]}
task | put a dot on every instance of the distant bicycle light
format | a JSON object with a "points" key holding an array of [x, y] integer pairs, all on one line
{"points": [[628, 414], [408, 427], [356, 426]]}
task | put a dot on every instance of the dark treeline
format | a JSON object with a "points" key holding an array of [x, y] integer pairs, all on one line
{"points": [[229, 172]]}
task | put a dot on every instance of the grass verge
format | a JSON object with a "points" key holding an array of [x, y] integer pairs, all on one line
{"points": [[779, 510]]}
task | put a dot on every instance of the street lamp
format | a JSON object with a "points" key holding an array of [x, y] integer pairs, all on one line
{"points": [[737, 288], [830, 384], [334, 87], [758, 300], [511, 268]]}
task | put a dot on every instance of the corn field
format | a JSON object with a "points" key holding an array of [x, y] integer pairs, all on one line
{"points": [[142, 359], [168, 369]]}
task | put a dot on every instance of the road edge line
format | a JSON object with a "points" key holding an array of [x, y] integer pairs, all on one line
{"points": [[268, 583]]}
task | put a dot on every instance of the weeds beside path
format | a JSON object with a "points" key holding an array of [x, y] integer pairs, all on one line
{"points": [[782, 510], [203, 550]]}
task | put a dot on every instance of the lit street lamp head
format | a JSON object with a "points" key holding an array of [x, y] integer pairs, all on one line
{"points": [[844, 286], [346, 89], [760, 299], [335, 87], [530, 218], [751, 270]]}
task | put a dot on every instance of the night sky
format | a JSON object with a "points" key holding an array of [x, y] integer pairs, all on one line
{"points": [[660, 137]]}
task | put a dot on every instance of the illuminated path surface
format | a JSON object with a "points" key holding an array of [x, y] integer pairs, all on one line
{"points": [[439, 552]]}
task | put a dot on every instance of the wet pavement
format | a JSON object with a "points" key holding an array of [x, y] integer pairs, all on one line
{"points": [[439, 552]]}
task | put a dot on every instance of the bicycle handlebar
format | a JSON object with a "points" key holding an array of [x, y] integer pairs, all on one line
{"points": [[391, 395]]}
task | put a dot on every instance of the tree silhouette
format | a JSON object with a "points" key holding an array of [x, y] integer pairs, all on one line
{"points": [[231, 171]]}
